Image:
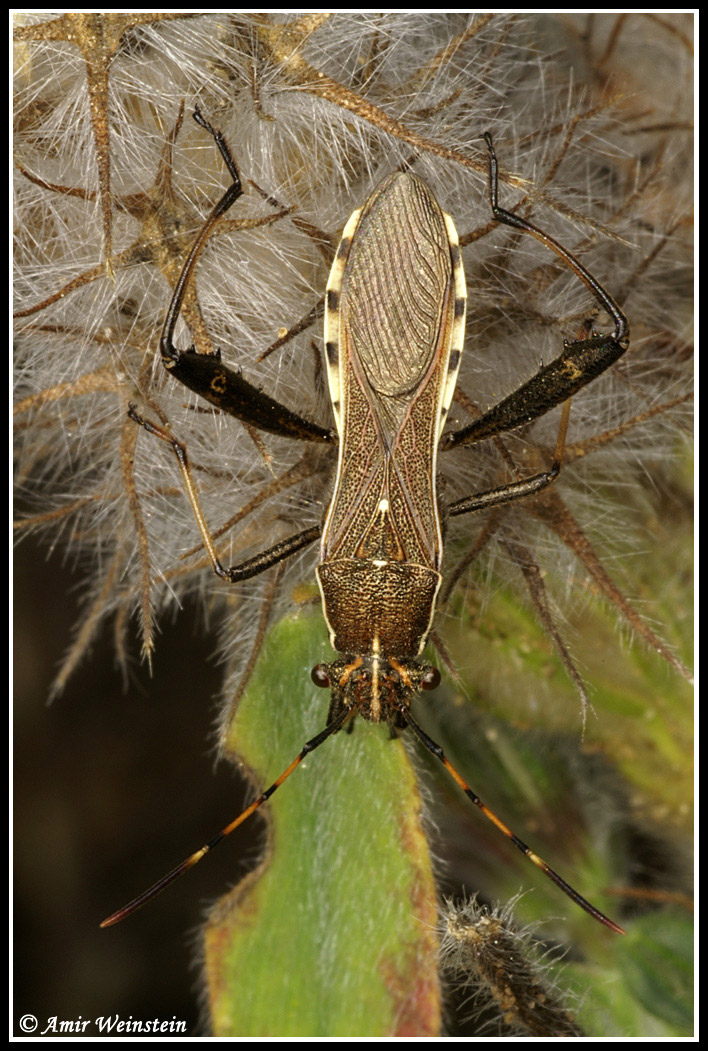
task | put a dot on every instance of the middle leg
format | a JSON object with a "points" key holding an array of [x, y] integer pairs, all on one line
{"points": [[251, 567], [524, 487]]}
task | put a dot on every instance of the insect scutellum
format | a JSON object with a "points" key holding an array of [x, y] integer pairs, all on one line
{"points": [[394, 333]]}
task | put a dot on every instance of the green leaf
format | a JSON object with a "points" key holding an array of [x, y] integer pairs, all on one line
{"points": [[333, 935], [646, 988], [658, 967]]}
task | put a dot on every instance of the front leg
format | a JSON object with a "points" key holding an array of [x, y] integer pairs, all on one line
{"points": [[580, 361], [204, 373]]}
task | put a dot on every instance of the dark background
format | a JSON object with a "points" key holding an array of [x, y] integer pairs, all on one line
{"points": [[113, 787]]}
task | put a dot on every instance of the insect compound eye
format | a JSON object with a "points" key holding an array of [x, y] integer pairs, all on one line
{"points": [[320, 676], [431, 679]]}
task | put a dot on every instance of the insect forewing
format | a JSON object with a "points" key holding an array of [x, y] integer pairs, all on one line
{"points": [[394, 328]]}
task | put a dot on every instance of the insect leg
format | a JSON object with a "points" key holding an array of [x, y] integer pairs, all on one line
{"points": [[204, 373], [524, 487], [580, 361], [437, 751], [251, 567]]}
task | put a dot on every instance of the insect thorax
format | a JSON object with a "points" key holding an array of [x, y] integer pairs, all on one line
{"points": [[378, 607]]}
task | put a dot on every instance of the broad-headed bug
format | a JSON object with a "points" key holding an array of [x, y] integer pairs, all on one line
{"points": [[394, 333]]}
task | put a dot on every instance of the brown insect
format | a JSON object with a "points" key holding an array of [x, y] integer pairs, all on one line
{"points": [[394, 332]]}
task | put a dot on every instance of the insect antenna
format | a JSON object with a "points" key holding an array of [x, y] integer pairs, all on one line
{"points": [[437, 751], [193, 859]]}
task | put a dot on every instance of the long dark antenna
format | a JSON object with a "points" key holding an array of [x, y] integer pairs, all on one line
{"points": [[193, 859], [437, 751]]}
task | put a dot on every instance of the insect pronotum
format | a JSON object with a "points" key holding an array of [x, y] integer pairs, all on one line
{"points": [[394, 332]]}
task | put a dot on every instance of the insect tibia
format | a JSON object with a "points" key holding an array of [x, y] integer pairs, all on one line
{"points": [[173, 356]]}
